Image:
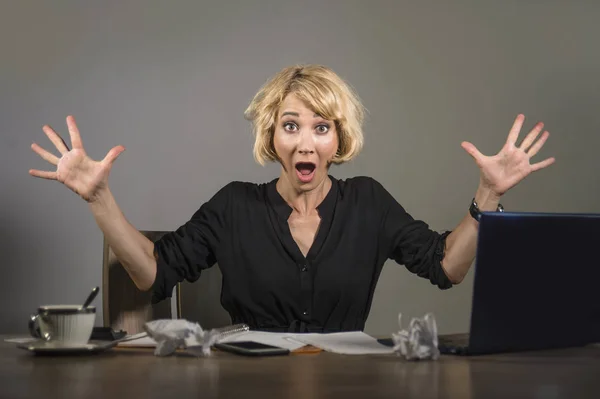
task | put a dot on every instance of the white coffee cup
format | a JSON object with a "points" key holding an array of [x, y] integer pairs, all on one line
{"points": [[63, 324]]}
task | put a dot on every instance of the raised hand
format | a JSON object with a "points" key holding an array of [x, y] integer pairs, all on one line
{"points": [[502, 171], [74, 168]]}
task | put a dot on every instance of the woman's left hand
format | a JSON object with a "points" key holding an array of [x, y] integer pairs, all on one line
{"points": [[501, 172]]}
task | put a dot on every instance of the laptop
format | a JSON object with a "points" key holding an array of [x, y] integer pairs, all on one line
{"points": [[536, 284]]}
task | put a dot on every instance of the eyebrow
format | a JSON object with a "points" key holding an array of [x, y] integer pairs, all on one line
{"points": [[297, 115]]}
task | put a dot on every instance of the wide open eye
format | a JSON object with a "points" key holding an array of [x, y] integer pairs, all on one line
{"points": [[322, 128], [290, 127]]}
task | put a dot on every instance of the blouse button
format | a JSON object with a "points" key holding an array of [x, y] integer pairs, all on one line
{"points": [[305, 313], [304, 269]]}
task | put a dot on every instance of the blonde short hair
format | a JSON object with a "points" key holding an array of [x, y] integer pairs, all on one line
{"points": [[324, 92]]}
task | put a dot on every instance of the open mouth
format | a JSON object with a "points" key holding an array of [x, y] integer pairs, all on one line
{"points": [[305, 171]]}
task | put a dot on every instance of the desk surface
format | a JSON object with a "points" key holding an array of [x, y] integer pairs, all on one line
{"points": [[569, 373]]}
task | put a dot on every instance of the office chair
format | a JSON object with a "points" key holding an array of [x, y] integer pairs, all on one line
{"points": [[127, 308]]}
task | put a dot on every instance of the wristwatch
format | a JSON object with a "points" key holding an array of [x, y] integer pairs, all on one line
{"points": [[476, 213]]}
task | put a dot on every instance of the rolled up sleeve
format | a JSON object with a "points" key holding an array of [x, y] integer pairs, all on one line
{"points": [[184, 253], [413, 244]]}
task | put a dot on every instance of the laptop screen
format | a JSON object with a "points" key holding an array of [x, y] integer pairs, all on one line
{"points": [[537, 282]]}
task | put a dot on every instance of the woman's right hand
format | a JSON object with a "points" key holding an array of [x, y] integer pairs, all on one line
{"points": [[74, 168]]}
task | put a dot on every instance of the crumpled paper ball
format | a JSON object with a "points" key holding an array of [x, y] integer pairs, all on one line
{"points": [[419, 341], [171, 335]]}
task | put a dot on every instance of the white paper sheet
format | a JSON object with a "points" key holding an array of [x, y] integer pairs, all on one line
{"points": [[346, 343]]}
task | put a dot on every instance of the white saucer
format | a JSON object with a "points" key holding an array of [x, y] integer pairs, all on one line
{"points": [[46, 347]]}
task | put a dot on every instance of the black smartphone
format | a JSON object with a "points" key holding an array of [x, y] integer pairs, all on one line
{"points": [[251, 348], [106, 334]]}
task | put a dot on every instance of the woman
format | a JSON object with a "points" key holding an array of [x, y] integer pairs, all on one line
{"points": [[303, 252]]}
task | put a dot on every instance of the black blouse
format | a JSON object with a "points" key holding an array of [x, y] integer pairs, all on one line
{"points": [[268, 283]]}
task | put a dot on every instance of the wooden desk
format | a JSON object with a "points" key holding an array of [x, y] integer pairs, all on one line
{"points": [[126, 373]]}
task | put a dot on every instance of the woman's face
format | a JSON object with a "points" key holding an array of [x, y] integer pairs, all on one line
{"points": [[305, 144]]}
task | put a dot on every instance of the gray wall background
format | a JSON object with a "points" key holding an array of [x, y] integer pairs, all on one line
{"points": [[170, 81]]}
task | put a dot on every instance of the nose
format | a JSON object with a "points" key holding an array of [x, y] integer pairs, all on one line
{"points": [[306, 145]]}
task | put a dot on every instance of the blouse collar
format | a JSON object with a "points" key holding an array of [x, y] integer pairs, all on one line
{"points": [[284, 210]]}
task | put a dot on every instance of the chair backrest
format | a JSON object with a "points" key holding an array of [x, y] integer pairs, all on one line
{"points": [[125, 306], [128, 308], [200, 301]]}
